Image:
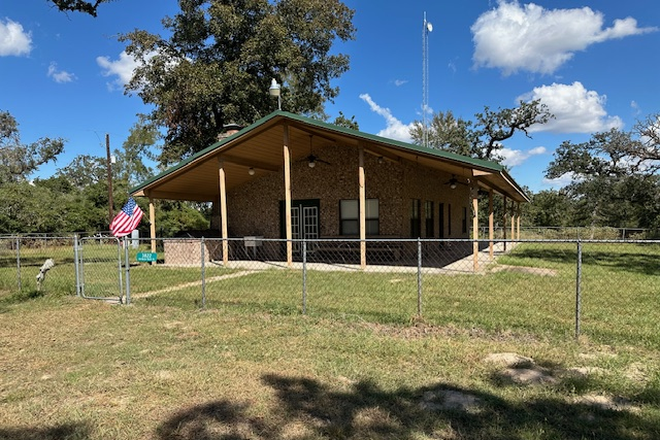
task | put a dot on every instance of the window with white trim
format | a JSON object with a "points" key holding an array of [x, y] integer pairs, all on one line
{"points": [[349, 217]]}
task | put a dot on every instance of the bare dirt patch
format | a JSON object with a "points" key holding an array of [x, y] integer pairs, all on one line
{"points": [[450, 400], [520, 370], [509, 360], [612, 403]]}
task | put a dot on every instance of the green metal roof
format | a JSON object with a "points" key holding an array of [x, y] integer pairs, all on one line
{"points": [[484, 165]]}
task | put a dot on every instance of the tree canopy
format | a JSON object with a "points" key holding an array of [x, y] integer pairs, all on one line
{"points": [[216, 65], [75, 199], [614, 177], [483, 137], [18, 160], [85, 7]]}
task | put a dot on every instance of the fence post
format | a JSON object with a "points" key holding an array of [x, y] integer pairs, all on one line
{"points": [[128, 272], [76, 263], [578, 289], [18, 263], [304, 276], [419, 277], [203, 273]]}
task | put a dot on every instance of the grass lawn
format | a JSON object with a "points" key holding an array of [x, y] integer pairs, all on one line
{"points": [[359, 365], [88, 370]]}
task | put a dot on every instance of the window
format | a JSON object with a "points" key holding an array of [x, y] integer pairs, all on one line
{"points": [[464, 223], [449, 219], [441, 220], [429, 207], [349, 214], [415, 218]]}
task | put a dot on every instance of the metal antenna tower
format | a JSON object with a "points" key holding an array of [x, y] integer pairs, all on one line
{"points": [[428, 28]]}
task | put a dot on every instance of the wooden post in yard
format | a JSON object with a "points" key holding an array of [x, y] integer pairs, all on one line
{"points": [[222, 182], [475, 227], [287, 197], [363, 211], [152, 225], [518, 218], [491, 224], [504, 222], [513, 221]]}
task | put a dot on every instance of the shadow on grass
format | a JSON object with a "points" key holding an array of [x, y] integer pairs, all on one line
{"points": [[67, 431], [308, 409], [19, 297]]}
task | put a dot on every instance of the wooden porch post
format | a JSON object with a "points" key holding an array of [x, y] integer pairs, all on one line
{"points": [[152, 224], [504, 222], [222, 182], [287, 196], [475, 227], [513, 221], [518, 219], [363, 210], [491, 224]]}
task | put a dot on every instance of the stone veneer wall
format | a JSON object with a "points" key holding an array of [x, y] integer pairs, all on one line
{"points": [[188, 252], [253, 209], [426, 184]]}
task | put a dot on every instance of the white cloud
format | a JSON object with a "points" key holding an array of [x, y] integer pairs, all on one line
{"points": [[561, 181], [576, 109], [395, 128], [13, 39], [512, 37], [513, 158], [635, 108], [400, 82], [60, 76], [122, 68]]}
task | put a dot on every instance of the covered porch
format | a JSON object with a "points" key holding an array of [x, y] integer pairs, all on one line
{"points": [[292, 178]]}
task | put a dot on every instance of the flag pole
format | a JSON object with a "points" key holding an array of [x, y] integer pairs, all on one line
{"points": [[109, 162]]}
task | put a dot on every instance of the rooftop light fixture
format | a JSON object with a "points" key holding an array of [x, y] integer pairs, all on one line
{"points": [[274, 91]]}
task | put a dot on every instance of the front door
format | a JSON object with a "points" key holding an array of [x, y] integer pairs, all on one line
{"points": [[304, 221]]}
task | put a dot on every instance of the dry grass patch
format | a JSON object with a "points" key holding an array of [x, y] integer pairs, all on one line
{"points": [[87, 370]]}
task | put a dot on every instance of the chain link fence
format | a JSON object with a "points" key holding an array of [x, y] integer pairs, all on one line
{"points": [[605, 290], [37, 264]]}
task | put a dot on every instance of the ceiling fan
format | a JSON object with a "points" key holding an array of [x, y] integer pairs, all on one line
{"points": [[453, 182], [313, 159]]}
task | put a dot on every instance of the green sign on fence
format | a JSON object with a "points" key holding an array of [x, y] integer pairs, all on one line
{"points": [[147, 257]]}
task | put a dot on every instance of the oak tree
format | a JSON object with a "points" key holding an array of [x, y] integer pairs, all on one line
{"points": [[483, 137], [86, 7], [217, 58], [19, 160], [614, 179]]}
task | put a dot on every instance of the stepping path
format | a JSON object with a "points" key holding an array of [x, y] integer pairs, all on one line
{"points": [[194, 283]]}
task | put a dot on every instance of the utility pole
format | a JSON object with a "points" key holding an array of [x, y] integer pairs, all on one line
{"points": [[428, 28], [109, 162]]}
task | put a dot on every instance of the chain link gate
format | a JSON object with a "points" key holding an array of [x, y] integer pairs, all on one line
{"points": [[99, 268]]}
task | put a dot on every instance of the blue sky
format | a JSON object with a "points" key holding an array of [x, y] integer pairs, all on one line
{"points": [[594, 63]]}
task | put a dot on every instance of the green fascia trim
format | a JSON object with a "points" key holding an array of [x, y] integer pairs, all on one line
{"points": [[478, 163]]}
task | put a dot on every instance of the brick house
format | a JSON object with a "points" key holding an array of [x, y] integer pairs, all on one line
{"points": [[337, 182]]}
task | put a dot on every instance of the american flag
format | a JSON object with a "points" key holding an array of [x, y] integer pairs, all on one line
{"points": [[127, 219]]}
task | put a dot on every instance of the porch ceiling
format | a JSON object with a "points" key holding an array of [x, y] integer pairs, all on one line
{"points": [[260, 147]]}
